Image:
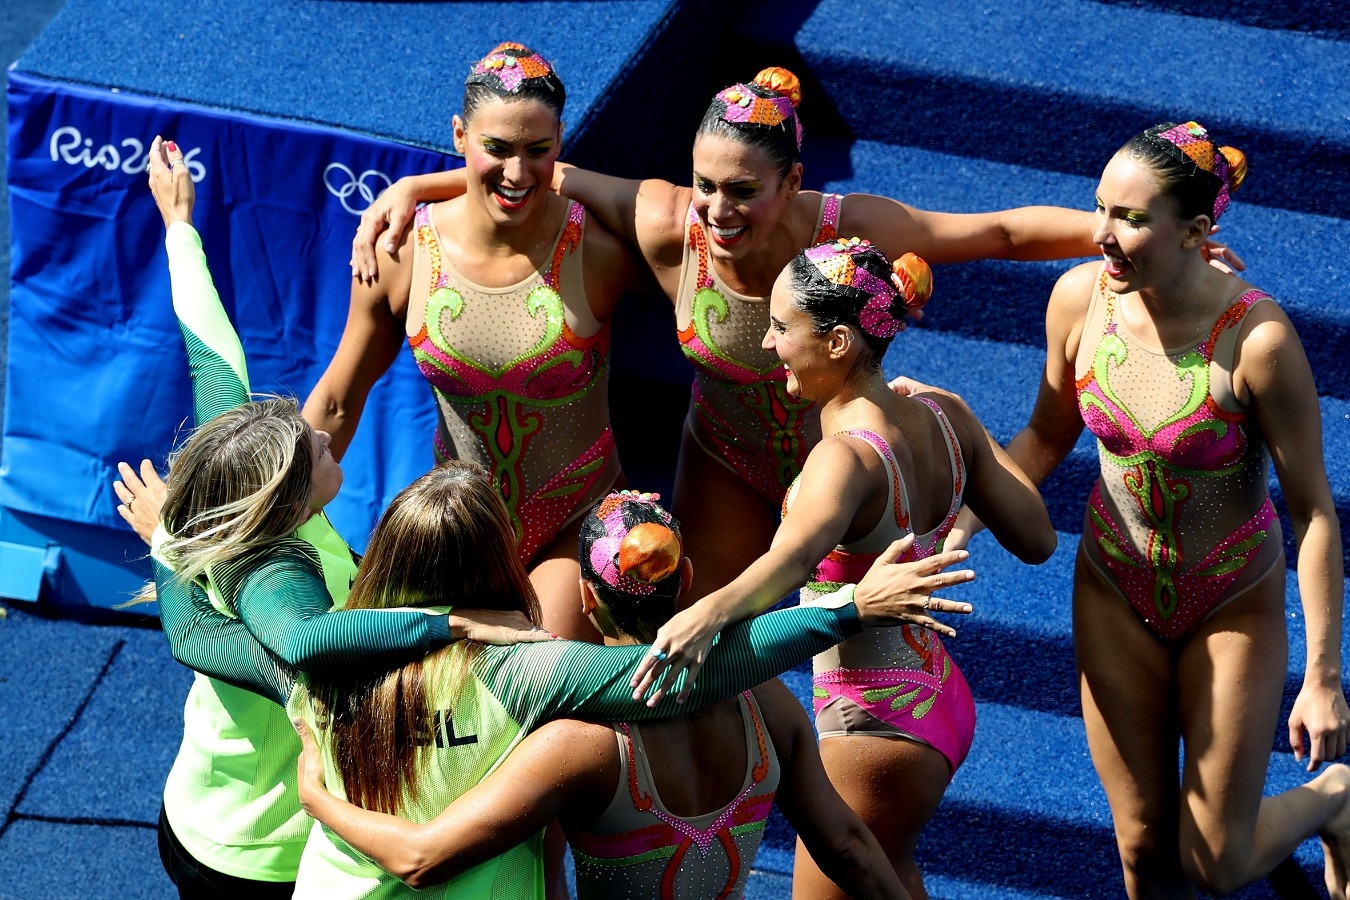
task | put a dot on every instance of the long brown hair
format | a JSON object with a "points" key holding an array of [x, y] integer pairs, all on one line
{"points": [[445, 539]]}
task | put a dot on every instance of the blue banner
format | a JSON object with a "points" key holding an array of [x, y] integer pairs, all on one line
{"points": [[96, 370]]}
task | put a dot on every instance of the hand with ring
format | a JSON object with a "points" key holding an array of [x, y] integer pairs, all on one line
{"points": [[140, 497], [894, 592], [680, 647]]}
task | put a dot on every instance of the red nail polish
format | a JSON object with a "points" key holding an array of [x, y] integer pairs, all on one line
{"points": [[172, 147]]}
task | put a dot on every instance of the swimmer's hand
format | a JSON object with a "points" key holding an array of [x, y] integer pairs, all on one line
{"points": [[895, 593], [496, 626], [1321, 711], [314, 793], [680, 646], [1221, 256], [140, 497], [170, 182], [385, 221]]}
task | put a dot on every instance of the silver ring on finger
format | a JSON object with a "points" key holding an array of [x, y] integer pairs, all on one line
{"points": [[927, 602]]}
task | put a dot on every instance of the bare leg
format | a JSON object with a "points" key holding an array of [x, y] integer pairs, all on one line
{"points": [[1126, 678], [1230, 678], [725, 522], [895, 786]]}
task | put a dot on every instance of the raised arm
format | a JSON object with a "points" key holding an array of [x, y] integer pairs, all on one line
{"points": [[370, 342], [839, 842], [1272, 369], [215, 356], [550, 770]]}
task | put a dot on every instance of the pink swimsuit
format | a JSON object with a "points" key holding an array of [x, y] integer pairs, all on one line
{"points": [[741, 413], [893, 682], [520, 376], [1181, 520]]}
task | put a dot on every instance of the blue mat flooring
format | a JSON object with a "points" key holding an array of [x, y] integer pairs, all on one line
{"points": [[958, 106]]}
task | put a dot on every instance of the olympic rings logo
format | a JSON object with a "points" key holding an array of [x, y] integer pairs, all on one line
{"points": [[350, 184]]}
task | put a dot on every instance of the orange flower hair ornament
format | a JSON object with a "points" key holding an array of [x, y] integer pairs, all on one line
{"points": [[744, 106], [911, 282], [633, 559]]}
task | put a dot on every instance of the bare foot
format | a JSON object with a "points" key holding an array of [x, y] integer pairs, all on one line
{"points": [[1335, 833]]}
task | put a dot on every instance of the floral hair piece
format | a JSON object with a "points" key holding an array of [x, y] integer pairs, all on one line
{"points": [[509, 70], [1226, 163], [835, 261], [744, 106], [633, 558]]}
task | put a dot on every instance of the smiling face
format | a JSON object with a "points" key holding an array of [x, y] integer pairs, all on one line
{"points": [[509, 150], [326, 474], [1143, 242], [793, 336], [738, 194]]}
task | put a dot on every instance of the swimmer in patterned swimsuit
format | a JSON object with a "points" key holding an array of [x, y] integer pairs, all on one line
{"points": [[504, 295], [672, 810], [715, 249], [1191, 380], [893, 711]]}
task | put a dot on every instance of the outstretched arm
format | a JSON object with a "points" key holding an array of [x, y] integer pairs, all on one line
{"points": [[839, 842], [538, 780], [647, 215], [1027, 233]]}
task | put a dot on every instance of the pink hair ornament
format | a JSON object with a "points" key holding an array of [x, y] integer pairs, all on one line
{"points": [[509, 69], [912, 281]]}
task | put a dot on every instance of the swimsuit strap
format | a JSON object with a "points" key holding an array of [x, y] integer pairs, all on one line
{"points": [[698, 242], [899, 495], [569, 239], [828, 229], [954, 457]]}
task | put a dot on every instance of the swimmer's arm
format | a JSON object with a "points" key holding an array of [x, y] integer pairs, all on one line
{"points": [[1272, 369], [1025, 233], [540, 777], [839, 842], [215, 645], [1055, 422], [385, 223], [998, 491], [286, 605], [648, 214], [832, 487], [540, 681], [370, 342]]}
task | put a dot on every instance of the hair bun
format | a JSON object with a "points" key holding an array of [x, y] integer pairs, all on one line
{"points": [[1237, 166], [781, 81], [649, 553], [915, 279]]}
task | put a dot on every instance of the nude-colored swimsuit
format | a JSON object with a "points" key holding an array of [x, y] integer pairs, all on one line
{"points": [[1180, 521], [741, 413], [520, 375]]}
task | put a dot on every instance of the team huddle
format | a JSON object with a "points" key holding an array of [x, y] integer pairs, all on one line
{"points": [[530, 651]]}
